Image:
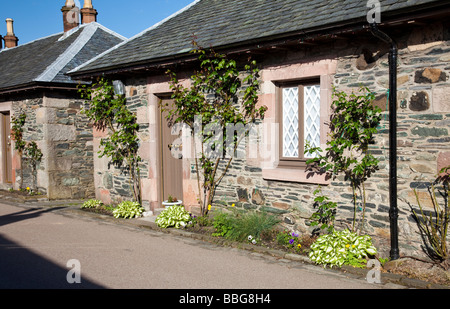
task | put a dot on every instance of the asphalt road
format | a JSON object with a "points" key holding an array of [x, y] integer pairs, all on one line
{"points": [[36, 245]]}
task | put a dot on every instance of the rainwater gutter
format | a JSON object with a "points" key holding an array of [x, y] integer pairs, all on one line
{"points": [[393, 209]]}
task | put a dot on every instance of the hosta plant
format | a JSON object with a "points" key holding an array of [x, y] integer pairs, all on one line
{"points": [[341, 247], [173, 216], [91, 204], [128, 210]]}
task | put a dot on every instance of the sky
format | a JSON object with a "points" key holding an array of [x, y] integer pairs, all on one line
{"points": [[34, 19]]}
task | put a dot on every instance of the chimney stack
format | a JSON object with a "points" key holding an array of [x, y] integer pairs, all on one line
{"points": [[71, 15], [10, 39], [88, 13]]}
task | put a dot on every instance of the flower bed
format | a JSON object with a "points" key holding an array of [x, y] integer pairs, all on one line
{"points": [[126, 210]]}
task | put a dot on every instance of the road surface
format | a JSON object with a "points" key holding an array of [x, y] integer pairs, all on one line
{"points": [[45, 248]]}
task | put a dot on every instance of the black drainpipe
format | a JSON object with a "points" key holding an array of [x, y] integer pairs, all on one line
{"points": [[393, 210]]}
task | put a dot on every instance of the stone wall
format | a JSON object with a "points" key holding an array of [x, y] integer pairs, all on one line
{"points": [[423, 138], [55, 122], [251, 183], [112, 184]]}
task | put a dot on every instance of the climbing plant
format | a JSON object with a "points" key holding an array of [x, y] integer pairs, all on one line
{"points": [[33, 155], [28, 152], [19, 144], [108, 111], [216, 90], [353, 124]]}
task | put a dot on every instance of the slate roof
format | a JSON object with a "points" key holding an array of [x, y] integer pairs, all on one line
{"points": [[219, 23], [46, 60]]}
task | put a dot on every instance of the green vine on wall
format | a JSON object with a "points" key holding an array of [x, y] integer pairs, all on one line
{"points": [[217, 86], [31, 150], [33, 155], [353, 125], [19, 144], [109, 111]]}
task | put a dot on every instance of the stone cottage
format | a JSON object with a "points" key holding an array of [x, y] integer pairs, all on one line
{"points": [[303, 49], [33, 81]]}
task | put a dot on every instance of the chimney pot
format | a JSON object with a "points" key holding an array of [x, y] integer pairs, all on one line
{"points": [[70, 3], [71, 15], [9, 26], [88, 13], [10, 38], [88, 4]]}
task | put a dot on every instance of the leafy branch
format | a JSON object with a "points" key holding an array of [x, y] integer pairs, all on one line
{"points": [[214, 97], [109, 111], [353, 125], [19, 144]]}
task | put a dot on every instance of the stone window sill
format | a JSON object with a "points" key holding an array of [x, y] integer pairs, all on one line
{"points": [[298, 175]]}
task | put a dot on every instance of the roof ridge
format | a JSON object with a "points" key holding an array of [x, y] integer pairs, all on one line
{"points": [[165, 19], [50, 73], [28, 43], [70, 32], [112, 32], [136, 36]]}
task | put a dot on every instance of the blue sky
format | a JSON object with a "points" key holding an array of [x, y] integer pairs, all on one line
{"points": [[34, 19]]}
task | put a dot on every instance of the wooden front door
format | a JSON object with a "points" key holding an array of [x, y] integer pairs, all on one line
{"points": [[6, 147], [171, 161]]}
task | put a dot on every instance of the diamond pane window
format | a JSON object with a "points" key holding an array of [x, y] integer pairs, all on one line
{"points": [[312, 115], [300, 120], [290, 122]]}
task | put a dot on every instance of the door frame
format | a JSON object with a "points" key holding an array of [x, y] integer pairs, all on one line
{"points": [[160, 122], [6, 108], [159, 87]]}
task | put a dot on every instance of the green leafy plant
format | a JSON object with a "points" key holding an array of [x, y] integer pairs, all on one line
{"points": [[201, 221], [223, 223], [172, 199], [128, 210], [326, 211], [341, 247], [217, 87], [18, 124], [353, 124], [109, 111], [173, 216], [33, 155], [91, 204], [290, 240], [28, 152], [434, 224], [238, 225]]}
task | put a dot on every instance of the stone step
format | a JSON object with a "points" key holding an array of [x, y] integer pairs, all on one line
{"points": [[157, 211]]}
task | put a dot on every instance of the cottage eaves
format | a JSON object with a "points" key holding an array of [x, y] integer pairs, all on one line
{"points": [[219, 23]]}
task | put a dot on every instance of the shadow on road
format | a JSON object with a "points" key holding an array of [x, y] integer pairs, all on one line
{"points": [[25, 215], [21, 268]]}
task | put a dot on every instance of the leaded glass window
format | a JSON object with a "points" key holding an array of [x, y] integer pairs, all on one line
{"points": [[290, 122], [300, 120], [312, 115]]}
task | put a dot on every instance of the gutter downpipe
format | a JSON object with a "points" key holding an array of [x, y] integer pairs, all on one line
{"points": [[393, 209]]}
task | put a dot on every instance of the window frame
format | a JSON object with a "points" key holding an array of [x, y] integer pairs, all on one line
{"points": [[300, 161]]}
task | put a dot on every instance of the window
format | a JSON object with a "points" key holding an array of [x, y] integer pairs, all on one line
{"points": [[299, 120]]}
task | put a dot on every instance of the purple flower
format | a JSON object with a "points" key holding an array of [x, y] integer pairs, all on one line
{"points": [[291, 241], [294, 235]]}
